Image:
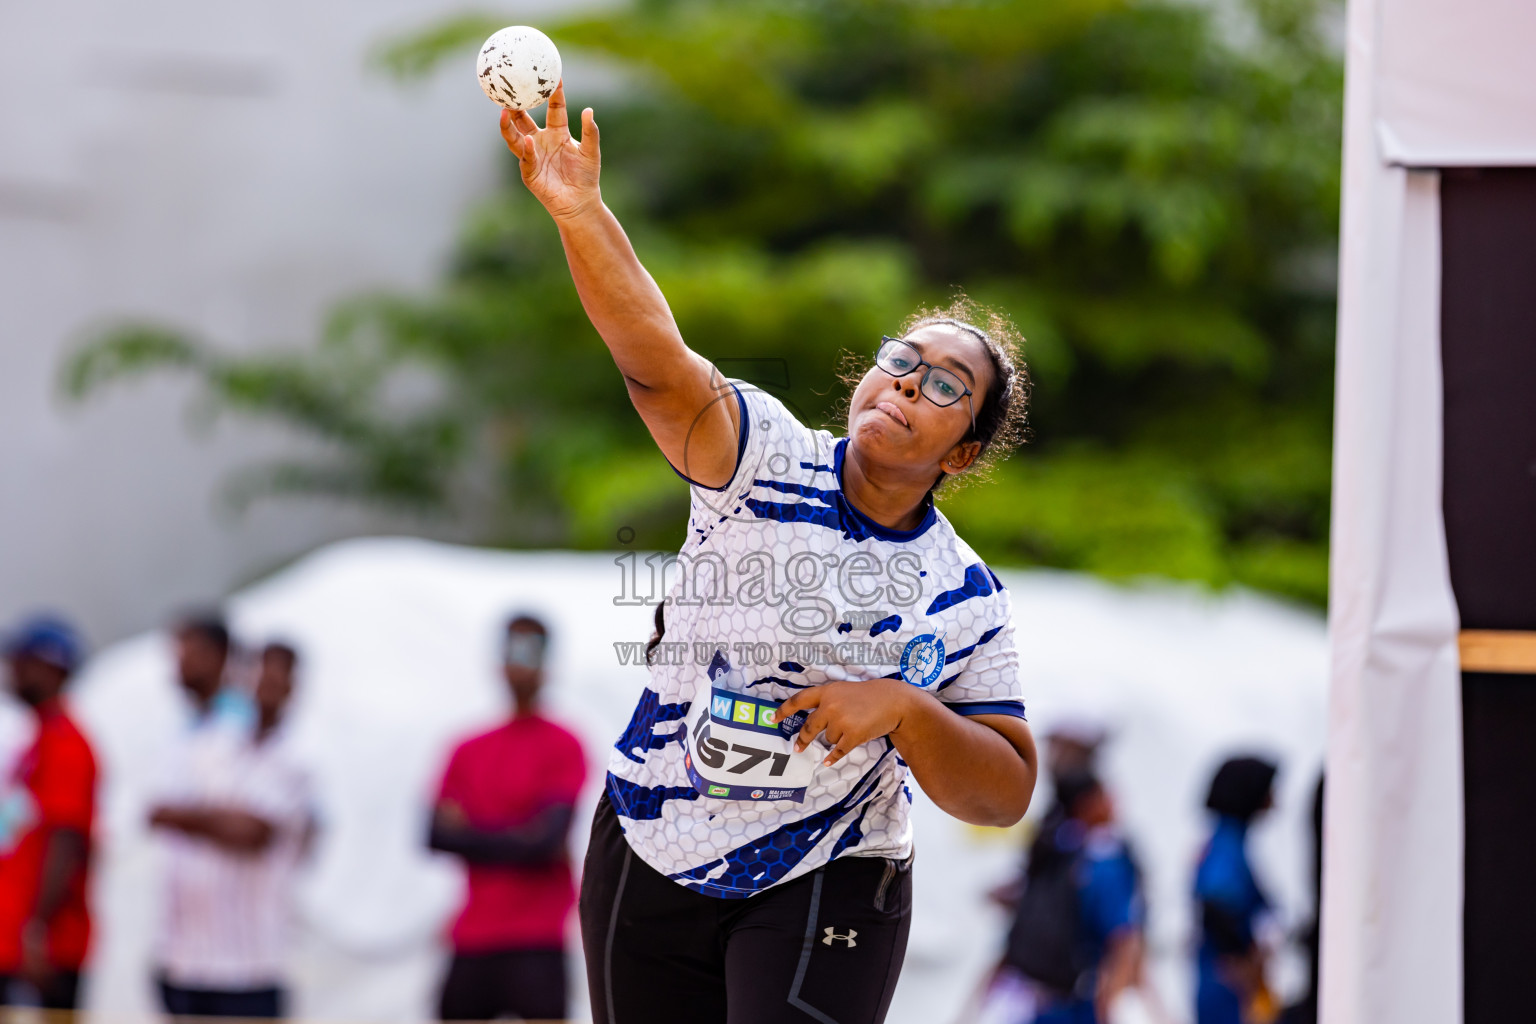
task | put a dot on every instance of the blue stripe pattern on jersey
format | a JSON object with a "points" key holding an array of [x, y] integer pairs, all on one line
{"points": [[754, 866], [639, 736], [643, 803], [803, 490], [852, 836], [977, 584], [836, 513], [955, 656], [780, 681], [804, 512]]}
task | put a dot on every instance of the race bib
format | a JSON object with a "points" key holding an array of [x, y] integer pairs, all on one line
{"points": [[735, 751]]}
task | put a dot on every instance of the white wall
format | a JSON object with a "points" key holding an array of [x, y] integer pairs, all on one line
{"points": [[231, 168]]}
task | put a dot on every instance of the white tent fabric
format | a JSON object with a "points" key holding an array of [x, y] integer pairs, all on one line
{"points": [[1393, 856], [1451, 81], [1430, 84], [399, 640]]}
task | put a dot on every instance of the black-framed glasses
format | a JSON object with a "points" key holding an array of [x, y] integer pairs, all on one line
{"points": [[940, 386]]}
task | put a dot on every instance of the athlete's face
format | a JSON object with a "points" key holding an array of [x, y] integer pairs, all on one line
{"points": [[892, 422]]}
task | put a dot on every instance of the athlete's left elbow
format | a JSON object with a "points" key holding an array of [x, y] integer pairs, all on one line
{"points": [[1004, 811], [994, 818]]}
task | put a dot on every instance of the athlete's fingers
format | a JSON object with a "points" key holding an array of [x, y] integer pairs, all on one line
{"points": [[837, 754], [810, 697], [590, 143], [520, 145], [812, 728], [524, 123], [557, 116], [509, 134], [844, 740], [840, 740]]}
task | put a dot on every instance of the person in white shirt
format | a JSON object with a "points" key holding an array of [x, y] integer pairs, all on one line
{"points": [[236, 818]]}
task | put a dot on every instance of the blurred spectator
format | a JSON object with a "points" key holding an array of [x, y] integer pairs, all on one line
{"points": [[235, 810], [505, 807], [1076, 939], [1072, 745], [47, 807], [1231, 986], [1071, 748]]}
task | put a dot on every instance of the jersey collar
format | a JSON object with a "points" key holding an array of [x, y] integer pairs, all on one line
{"points": [[930, 515]]}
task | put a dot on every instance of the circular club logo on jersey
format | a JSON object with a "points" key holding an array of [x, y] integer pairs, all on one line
{"points": [[922, 659]]}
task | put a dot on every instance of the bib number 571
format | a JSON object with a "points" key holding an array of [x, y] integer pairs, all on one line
{"points": [[712, 753]]}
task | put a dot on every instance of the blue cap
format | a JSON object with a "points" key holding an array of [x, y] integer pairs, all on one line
{"points": [[47, 639]]}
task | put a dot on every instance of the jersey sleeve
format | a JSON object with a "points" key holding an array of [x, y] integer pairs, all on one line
{"points": [[989, 682], [767, 429]]}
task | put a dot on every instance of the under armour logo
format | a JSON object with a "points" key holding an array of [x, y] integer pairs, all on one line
{"points": [[832, 934]]}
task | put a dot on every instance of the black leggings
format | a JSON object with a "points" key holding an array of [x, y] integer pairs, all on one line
{"points": [[826, 947]]}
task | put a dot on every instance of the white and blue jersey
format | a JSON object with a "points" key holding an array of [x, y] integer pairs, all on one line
{"points": [[781, 585]]}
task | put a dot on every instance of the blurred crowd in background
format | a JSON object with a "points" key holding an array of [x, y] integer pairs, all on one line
{"points": [[235, 812]]}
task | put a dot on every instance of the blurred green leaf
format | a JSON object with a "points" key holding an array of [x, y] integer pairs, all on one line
{"points": [[129, 350]]}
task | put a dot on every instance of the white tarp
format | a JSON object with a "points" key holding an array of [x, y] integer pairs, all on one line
{"points": [[399, 642], [1452, 82]]}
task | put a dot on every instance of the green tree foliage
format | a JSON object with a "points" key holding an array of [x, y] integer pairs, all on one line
{"points": [[1150, 189]]}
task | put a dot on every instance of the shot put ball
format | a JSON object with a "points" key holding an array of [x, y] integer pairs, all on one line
{"points": [[519, 68]]}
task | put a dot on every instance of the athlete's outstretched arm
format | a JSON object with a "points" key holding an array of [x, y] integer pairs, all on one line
{"points": [[686, 405], [980, 769]]}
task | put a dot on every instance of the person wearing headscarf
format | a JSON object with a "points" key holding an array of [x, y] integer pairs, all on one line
{"points": [[1230, 985]]}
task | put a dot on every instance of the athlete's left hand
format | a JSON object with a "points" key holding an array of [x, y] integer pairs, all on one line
{"points": [[851, 712]]}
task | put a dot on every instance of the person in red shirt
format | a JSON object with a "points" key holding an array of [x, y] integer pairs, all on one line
{"points": [[47, 805], [505, 808]]}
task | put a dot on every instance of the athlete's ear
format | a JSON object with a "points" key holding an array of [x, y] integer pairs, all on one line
{"points": [[961, 456]]}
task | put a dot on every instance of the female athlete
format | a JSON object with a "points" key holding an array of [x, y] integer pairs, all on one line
{"points": [[750, 858]]}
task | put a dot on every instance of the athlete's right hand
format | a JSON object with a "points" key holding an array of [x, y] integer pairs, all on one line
{"points": [[560, 172]]}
